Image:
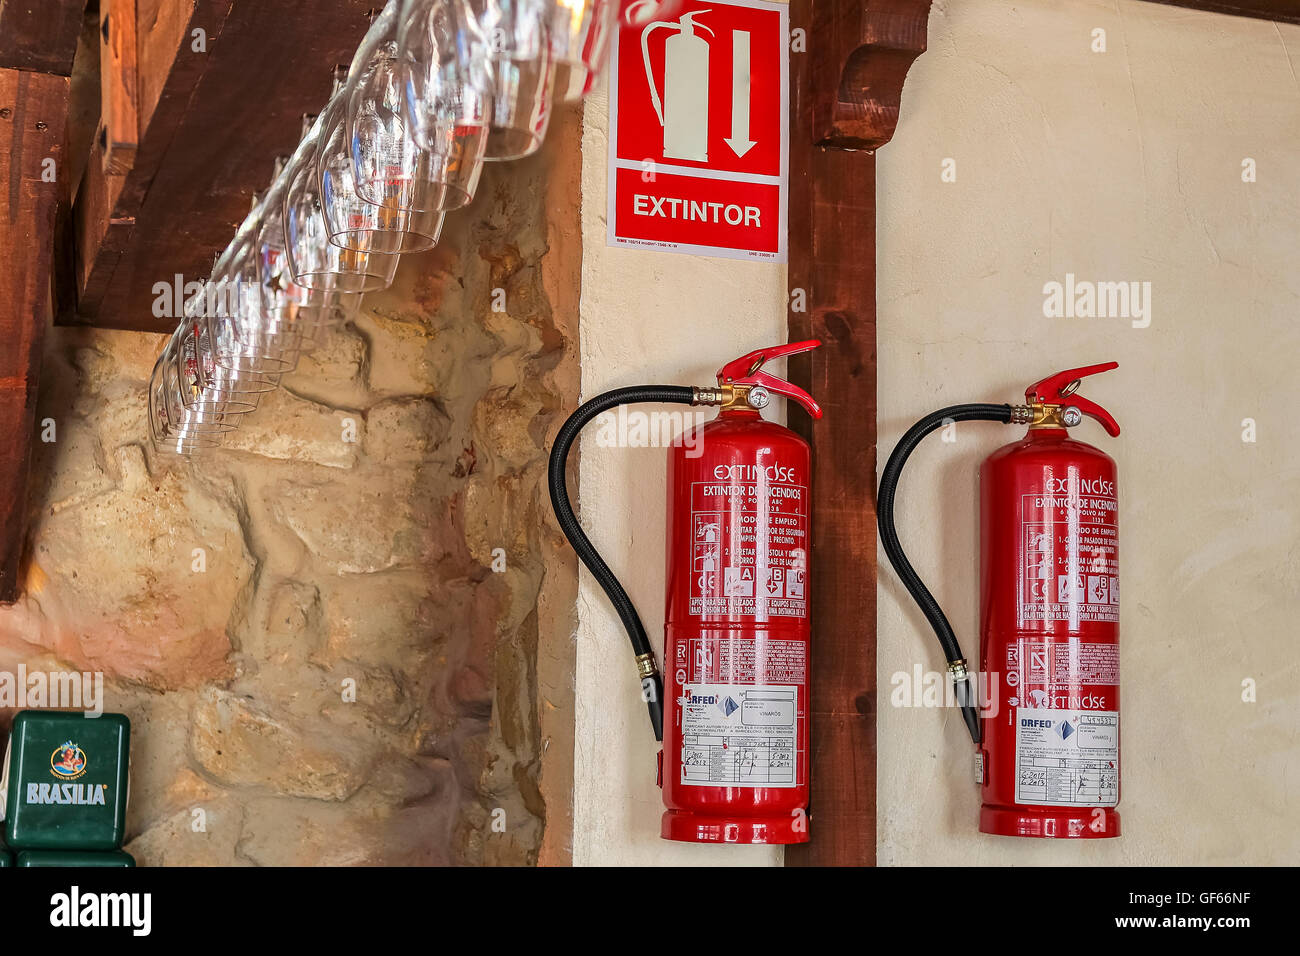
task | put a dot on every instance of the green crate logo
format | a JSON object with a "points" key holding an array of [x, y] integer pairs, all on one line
{"points": [[68, 762]]}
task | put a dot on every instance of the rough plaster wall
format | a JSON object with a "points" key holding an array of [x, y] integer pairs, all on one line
{"points": [[1119, 166], [328, 560], [647, 318]]}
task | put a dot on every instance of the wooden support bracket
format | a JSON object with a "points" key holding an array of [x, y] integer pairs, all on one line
{"points": [[39, 36]]}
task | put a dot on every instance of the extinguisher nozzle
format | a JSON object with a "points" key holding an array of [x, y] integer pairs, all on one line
{"points": [[967, 700], [655, 705], [971, 715], [652, 691]]}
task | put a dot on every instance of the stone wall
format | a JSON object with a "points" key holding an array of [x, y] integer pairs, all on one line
{"points": [[327, 633]]}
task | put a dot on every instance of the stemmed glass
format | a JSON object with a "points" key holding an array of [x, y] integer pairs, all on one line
{"points": [[306, 313], [403, 182], [580, 35], [312, 260], [396, 213], [174, 426], [208, 386], [442, 57], [523, 66], [169, 428], [245, 335]]}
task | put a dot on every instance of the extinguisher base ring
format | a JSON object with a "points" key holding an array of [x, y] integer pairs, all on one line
{"points": [[687, 827], [1070, 823]]}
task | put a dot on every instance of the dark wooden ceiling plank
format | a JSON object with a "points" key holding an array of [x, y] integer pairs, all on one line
{"points": [[40, 35], [33, 108]]}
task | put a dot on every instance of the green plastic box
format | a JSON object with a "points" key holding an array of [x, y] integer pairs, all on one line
{"points": [[66, 781], [74, 858]]}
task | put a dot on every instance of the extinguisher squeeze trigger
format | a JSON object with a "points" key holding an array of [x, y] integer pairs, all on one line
{"points": [[739, 496], [742, 381], [1047, 401], [1048, 524]]}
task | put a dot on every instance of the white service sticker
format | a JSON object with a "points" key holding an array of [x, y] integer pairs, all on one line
{"points": [[735, 735], [1067, 758]]}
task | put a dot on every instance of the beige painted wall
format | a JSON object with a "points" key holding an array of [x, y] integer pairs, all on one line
{"points": [[1115, 166], [1119, 166], [647, 318]]}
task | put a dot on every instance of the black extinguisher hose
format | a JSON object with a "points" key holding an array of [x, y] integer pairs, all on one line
{"points": [[633, 395], [894, 550]]}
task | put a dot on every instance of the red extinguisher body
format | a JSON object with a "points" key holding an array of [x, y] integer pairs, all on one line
{"points": [[736, 749], [1049, 612]]}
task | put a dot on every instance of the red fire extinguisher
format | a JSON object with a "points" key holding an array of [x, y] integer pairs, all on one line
{"points": [[734, 768], [1047, 730]]}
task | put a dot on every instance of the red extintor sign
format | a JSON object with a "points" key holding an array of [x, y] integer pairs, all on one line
{"points": [[699, 130]]}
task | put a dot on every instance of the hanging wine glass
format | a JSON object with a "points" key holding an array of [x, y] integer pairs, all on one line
{"points": [[312, 260], [523, 68], [244, 336], [195, 423], [581, 32], [170, 428], [208, 385], [390, 223], [391, 171], [442, 58], [295, 307]]}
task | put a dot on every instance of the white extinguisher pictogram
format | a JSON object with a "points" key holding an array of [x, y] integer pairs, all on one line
{"points": [[684, 110]]}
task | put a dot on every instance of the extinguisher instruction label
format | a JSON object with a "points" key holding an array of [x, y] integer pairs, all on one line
{"points": [[735, 735], [743, 660], [1067, 758], [1070, 552], [749, 547], [1061, 663]]}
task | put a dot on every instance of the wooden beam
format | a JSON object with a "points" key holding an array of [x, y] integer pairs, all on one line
{"points": [[844, 103], [211, 125], [108, 199], [33, 108], [40, 35], [1285, 11], [119, 122]]}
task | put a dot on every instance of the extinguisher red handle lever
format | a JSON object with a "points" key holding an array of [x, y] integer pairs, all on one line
{"points": [[1093, 410], [1059, 389], [747, 370]]}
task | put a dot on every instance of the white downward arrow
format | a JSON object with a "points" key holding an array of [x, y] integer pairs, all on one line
{"points": [[739, 140]]}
